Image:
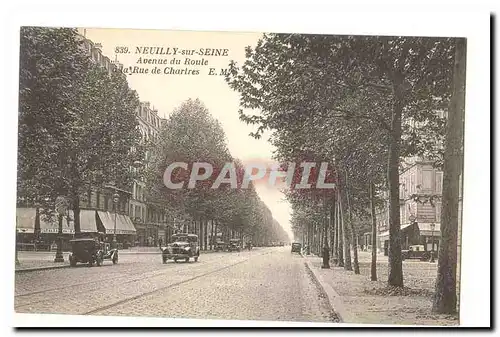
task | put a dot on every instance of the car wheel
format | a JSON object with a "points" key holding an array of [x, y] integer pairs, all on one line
{"points": [[175, 260], [164, 259], [72, 261], [115, 259], [196, 259], [186, 259], [98, 261], [91, 263]]}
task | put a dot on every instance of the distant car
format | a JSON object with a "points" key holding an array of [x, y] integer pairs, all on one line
{"points": [[416, 252], [234, 245], [296, 247], [220, 246], [184, 247]]}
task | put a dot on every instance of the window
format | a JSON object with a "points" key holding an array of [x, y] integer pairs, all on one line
{"points": [[427, 179], [439, 182]]}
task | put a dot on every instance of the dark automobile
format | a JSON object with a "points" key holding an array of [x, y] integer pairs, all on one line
{"points": [[296, 247], [184, 247], [234, 245], [91, 251], [416, 252], [221, 246]]}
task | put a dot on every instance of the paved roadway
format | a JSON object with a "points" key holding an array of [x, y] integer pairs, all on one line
{"points": [[262, 284]]}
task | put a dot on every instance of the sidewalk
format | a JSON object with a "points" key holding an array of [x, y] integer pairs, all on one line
{"points": [[32, 261], [358, 300]]}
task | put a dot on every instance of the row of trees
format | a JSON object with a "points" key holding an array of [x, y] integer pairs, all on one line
{"points": [[362, 103], [78, 129], [191, 135], [77, 124]]}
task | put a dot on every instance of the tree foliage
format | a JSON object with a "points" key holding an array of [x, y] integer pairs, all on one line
{"points": [[77, 124], [191, 135]]}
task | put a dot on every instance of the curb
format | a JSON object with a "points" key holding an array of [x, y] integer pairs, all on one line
{"points": [[25, 270], [333, 297]]}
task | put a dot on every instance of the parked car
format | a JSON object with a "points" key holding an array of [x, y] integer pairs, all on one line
{"points": [[416, 252], [183, 247], [91, 251], [234, 245], [296, 247]]}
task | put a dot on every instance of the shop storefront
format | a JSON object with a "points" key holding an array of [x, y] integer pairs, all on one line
{"points": [[38, 231], [25, 228], [415, 234], [112, 224]]}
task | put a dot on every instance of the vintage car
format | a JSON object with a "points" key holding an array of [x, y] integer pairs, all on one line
{"points": [[296, 247], [91, 251], [416, 252], [183, 247], [221, 246], [234, 245]]}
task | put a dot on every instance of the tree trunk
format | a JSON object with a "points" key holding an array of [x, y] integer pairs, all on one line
{"points": [[216, 230], [354, 238], [345, 239], [333, 252], [76, 213], [309, 237], [211, 241], [445, 296], [205, 236], [340, 245], [374, 233], [395, 263]]}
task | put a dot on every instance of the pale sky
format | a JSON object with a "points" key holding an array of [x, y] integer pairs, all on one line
{"points": [[167, 91]]}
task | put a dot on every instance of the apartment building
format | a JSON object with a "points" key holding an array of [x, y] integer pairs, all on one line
{"points": [[420, 206]]}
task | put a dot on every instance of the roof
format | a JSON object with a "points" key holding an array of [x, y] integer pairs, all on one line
{"points": [[423, 227], [386, 233]]}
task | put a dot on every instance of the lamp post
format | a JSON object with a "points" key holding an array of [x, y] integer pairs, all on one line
{"points": [[433, 225], [116, 198], [59, 255]]}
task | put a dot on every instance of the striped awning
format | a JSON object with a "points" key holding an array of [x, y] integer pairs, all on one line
{"points": [[50, 224], [25, 220], [87, 220], [123, 223]]}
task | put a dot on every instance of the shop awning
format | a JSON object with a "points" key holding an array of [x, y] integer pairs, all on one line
{"points": [[87, 220], [50, 224], [123, 223], [386, 233], [128, 223], [25, 220]]}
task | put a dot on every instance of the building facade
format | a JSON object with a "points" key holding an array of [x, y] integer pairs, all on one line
{"points": [[420, 207], [149, 220]]}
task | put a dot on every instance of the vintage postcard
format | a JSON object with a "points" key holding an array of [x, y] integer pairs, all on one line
{"points": [[249, 176]]}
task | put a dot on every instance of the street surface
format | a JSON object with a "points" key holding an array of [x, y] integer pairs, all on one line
{"points": [[262, 284]]}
